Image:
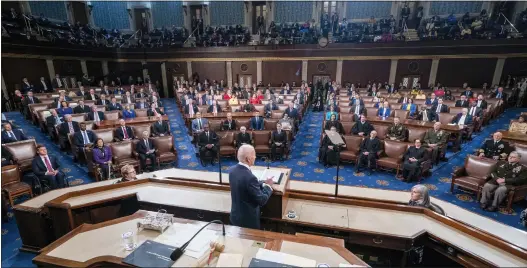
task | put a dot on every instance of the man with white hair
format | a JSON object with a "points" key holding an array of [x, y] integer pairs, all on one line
{"points": [[243, 137], [247, 193], [146, 150], [494, 148]]}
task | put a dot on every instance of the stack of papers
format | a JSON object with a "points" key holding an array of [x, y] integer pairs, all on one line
{"points": [[230, 260], [263, 174], [178, 234]]}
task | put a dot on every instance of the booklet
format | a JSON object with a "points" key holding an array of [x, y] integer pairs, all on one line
{"points": [[150, 254]]}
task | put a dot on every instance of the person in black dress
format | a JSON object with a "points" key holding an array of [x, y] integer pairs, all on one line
{"points": [[369, 149], [243, 138], [328, 151], [333, 122], [413, 158], [362, 128], [278, 142]]}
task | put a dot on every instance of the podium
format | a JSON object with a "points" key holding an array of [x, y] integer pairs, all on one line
{"points": [[336, 139]]}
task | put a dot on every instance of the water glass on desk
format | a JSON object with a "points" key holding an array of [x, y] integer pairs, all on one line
{"points": [[128, 241]]}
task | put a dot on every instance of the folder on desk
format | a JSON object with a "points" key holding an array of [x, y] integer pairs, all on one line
{"points": [[257, 263], [150, 254]]}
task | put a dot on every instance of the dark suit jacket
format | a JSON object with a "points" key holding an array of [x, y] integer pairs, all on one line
{"points": [[140, 95], [269, 108], [27, 101], [79, 110], [204, 140], [116, 107], [79, 141], [51, 121], [39, 167], [468, 119], [64, 129], [26, 87], [503, 95], [79, 93], [458, 103], [120, 135], [160, 128], [431, 115], [444, 108], [194, 107], [479, 112], [373, 148], [359, 127], [209, 110], [41, 87], [467, 93], [491, 149], [151, 113], [20, 136], [91, 117], [292, 113], [483, 104], [247, 195], [56, 84], [361, 109], [141, 148], [88, 97], [275, 137], [225, 125], [259, 125], [106, 102], [243, 138]]}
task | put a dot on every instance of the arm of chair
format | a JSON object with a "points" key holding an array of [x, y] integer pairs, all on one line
{"points": [[458, 172]]}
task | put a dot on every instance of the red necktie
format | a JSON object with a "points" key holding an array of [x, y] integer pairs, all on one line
{"points": [[125, 133], [48, 164]]}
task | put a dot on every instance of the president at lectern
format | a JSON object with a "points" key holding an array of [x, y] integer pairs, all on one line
{"points": [[247, 193]]}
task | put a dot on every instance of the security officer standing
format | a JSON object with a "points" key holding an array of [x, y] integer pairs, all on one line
{"points": [[494, 148]]}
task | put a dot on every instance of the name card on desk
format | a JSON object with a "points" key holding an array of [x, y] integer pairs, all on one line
{"points": [[263, 174]]}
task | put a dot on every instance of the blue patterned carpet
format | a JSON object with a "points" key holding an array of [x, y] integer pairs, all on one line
{"points": [[303, 163]]}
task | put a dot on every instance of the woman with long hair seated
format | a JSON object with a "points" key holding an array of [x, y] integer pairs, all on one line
{"points": [[331, 112], [128, 172], [234, 100], [64, 109], [128, 113], [102, 155], [420, 96], [419, 196], [254, 100], [227, 95], [448, 95], [410, 106]]}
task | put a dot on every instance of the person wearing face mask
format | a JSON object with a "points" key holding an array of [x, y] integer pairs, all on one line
{"points": [[278, 143], [208, 142], [412, 161], [248, 194]]}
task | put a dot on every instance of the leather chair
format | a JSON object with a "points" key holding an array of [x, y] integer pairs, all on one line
{"points": [[277, 114], [22, 153], [270, 124], [455, 110], [93, 168], [260, 108], [368, 104], [215, 125], [522, 150], [123, 154], [402, 114], [416, 134], [101, 108], [243, 122], [473, 175], [90, 125], [382, 130], [446, 118], [282, 107], [223, 105], [261, 142], [372, 111], [347, 126], [107, 135], [166, 152], [75, 149], [227, 146], [351, 152], [78, 117], [139, 129], [141, 112], [42, 115], [426, 163], [395, 106], [345, 117], [12, 187], [392, 155], [235, 108], [111, 115]]}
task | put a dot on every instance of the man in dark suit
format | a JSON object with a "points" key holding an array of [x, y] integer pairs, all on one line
{"points": [[463, 118], [270, 107], [27, 86], [433, 100], [467, 93], [11, 135], [114, 106], [103, 100], [81, 108], [106, 91], [500, 94], [191, 109], [413, 158], [154, 111], [123, 132], [95, 115], [146, 150], [247, 193], [476, 114], [243, 137], [362, 128], [291, 111], [46, 168], [208, 143], [92, 96], [57, 82], [278, 142], [51, 121], [369, 149], [66, 128], [440, 107], [404, 99], [426, 115], [494, 148], [214, 107], [128, 99], [462, 102], [481, 103], [257, 122], [27, 101], [81, 92], [43, 86], [83, 138], [160, 127], [228, 124], [141, 94], [357, 110]]}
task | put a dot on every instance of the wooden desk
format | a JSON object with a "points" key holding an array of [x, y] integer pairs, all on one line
{"points": [[220, 116], [105, 124], [101, 244], [514, 137]]}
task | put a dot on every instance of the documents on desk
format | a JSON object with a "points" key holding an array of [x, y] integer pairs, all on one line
{"points": [[264, 174], [284, 258], [230, 260], [178, 234]]}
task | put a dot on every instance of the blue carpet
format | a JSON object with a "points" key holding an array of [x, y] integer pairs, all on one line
{"points": [[303, 163]]}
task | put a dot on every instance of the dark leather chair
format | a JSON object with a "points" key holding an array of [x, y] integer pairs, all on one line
{"points": [[141, 112], [78, 117], [455, 110], [243, 122], [235, 108], [93, 168], [392, 155], [473, 175], [111, 115], [166, 152], [347, 126], [345, 117], [382, 130], [372, 111], [402, 114], [416, 134], [277, 114], [138, 130], [270, 124], [446, 118], [12, 187], [22, 153], [107, 135], [75, 149], [227, 146], [261, 142], [350, 153], [215, 125], [123, 154]]}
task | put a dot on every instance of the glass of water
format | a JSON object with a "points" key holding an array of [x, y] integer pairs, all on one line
{"points": [[128, 240]]}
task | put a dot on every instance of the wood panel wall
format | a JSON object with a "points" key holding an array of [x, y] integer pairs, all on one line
{"points": [[362, 71], [514, 67], [321, 67], [68, 68], [475, 72], [237, 70], [215, 70], [408, 67], [14, 69], [276, 72], [124, 70], [95, 70]]}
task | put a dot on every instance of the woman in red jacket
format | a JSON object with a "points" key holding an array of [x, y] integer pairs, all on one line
{"points": [[254, 100]]}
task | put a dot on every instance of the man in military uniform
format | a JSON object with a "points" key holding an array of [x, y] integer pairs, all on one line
{"points": [[494, 148], [435, 140], [397, 132], [504, 175]]}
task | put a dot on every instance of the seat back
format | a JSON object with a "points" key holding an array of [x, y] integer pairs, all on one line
{"points": [[164, 144], [261, 137], [282, 107], [394, 149], [222, 103], [260, 108], [122, 149], [353, 143], [347, 126], [226, 138], [138, 130], [416, 133], [243, 122], [382, 130], [277, 114], [479, 167], [215, 125], [89, 125], [111, 115], [446, 118], [270, 124], [403, 114], [522, 150], [22, 150], [235, 108], [10, 174], [346, 117], [372, 111], [78, 117], [105, 134], [455, 110], [141, 112]]}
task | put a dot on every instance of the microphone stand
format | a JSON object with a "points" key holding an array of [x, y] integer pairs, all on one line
{"points": [[219, 166], [337, 151], [178, 252]]}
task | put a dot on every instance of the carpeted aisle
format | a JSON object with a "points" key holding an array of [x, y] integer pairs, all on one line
{"points": [[303, 162]]}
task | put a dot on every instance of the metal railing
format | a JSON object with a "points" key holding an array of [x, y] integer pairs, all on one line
{"points": [[508, 21], [128, 40]]}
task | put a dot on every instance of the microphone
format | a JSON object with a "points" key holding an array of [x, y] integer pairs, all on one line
{"points": [[178, 252]]}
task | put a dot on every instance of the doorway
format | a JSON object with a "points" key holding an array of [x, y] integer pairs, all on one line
{"points": [[246, 79], [79, 12], [410, 81], [141, 19], [196, 19], [259, 17], [322, 78]]}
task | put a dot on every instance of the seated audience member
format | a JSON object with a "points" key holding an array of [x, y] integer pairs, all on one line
{"points": [[333, 122], [505, 175], [481, 103], [53, 120], [446, 96], [154, 110], [405, 99], [278, 143], [357, 109], [420, 96], [475, 111], [27, 86], [43, 86], [156, 101], [287, 123], [128, 99], [328, 151], [368, 154], [494, 148], [47, 168], [229, 124], [95, 115], [64, 109], [234, 100], [463, 118], [500, 94], [436, 139], [270, 107], [102, 155], [426, 115], [105, 91], [160, 127], [68, 126], [123, 132], [214, 108], [103, 100], [118, 91], [83, 138], [57, 103], [419, 196], [397, 131], [243, 137], [467, 93], [208, 142], [440, 107], [385, 110], [128, 113], [81, 92], [254, 99], [292, 112], [362, 128], [129, 174], [141, 94], [141, 104], [331, 112], [146, 150], [198, 123], [247, 108], [257, 122], [433, 100], [114, 106], [92, 96], [81, 108], [191, 109], [411, 107], [318, 104], [11, 135], [462, 102], [519, 127], [412, 160]]}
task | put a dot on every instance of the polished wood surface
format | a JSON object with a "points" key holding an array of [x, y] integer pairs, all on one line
{"points": [[223, 116], [73, 251], [514, 137], [412, 123], [104, 124]]}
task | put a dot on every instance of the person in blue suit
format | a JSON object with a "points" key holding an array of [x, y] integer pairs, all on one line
{"points": [[199, 123], [432, 100], [11, 135], [463, 118], [410, 106], [248, 195], [385, 110], [64, 109], [128, 113], [257, 122]]}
